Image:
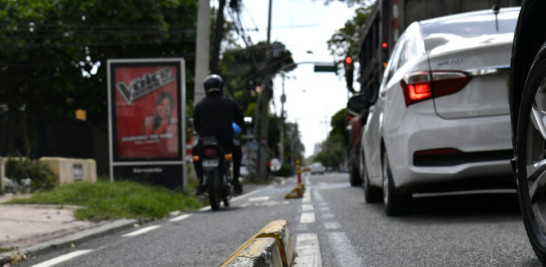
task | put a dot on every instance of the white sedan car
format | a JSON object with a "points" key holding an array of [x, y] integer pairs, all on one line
{"points": [[442, 112]]}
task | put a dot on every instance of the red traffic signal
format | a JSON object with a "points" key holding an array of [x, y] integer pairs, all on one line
{"points": [[348, 60]]}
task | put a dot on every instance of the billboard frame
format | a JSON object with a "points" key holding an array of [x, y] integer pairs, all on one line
{"points": [[143, 162]]}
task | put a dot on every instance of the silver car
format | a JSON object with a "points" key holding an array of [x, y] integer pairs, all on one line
{"points": [[442, 114]]}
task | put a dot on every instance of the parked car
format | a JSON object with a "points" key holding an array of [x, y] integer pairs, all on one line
{"points": [[528, 114], [317, 168], [442, 112]]}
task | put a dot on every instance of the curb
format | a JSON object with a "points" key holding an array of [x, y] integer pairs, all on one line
{"points": [[68, 240], [271, 246]]}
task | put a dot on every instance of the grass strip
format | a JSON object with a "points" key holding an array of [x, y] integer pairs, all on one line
{"points": [[104, 200]]}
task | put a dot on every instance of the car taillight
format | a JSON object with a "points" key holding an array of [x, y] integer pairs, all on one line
{"points": [[419, 86], [209, 152]]}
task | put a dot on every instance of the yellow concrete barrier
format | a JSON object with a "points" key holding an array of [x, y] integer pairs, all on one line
{"points": [[262, 248]]}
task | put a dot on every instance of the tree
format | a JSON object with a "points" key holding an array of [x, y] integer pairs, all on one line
{"points": [[53, 53], [352, 2], [344, 41], [246, 69], [334, 149]]}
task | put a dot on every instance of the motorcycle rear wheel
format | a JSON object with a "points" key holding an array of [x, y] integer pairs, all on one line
{"points": [[212, 190]]}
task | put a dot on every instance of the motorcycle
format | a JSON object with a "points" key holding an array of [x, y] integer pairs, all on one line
{"points": [[217, 171]]}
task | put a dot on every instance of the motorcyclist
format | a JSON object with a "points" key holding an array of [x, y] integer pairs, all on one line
{"points": [[213, 116]]}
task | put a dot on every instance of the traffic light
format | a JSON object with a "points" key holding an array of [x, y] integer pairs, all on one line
{"points": [[349, 72], [384, 53]]}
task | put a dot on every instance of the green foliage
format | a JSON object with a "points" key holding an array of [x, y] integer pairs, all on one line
{"points": [[351, 3], [285, 171], [244, 69], [344, 42], [334, 148], [42, 177], [109, 201], [339, 122], [49, 49], [333, 152]]}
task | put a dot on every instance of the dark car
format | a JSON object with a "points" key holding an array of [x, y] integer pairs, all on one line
{"points": [[528, 117]]}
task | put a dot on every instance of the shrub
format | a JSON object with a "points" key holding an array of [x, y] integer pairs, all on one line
{"points": [[285, 171], [42, 177]]}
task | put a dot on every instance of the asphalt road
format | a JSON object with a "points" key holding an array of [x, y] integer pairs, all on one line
{"points": [[461, 230]]}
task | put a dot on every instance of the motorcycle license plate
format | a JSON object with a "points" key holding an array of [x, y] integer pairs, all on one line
{"points": [[210, 163]]}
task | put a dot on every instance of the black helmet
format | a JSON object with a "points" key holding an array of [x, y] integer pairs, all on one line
{"points": [[213, 84]]}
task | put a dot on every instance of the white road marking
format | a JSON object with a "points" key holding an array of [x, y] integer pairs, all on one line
{"points": [[307, 207], [180, 218], [307, 251], [307, 196], [245, 195], [328, 216], [317, 196], [204, 208], [142, 231], [307, 217], [332, 225], [255, 199], [63, 258], [324, 207], [343, 250]]}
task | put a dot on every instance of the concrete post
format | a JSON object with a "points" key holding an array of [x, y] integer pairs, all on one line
{"points": [[202, 49]]}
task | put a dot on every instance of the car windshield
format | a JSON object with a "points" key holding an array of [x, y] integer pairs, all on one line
{"points": [[475, 28]]}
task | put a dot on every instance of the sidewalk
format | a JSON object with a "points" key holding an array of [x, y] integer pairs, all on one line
{"points": [[32, 229]]}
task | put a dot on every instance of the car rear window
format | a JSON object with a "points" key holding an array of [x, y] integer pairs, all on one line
{"points": [[437, 32]]}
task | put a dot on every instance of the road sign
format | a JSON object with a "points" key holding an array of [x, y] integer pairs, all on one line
{"points": [[326, 68]]}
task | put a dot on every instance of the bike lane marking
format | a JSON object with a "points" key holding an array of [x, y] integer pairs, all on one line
{"points": [[63, 258], [338, 241], [180, 218], [343, 250], [142, 231]]}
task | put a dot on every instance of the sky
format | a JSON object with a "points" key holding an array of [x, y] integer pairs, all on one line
{"points": [[303, 26]]}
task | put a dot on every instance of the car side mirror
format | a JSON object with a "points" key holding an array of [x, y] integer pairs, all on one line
{"points": [[357, 103]]}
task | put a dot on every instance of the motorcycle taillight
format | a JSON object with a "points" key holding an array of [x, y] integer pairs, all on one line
{"points": [[210, 152]]}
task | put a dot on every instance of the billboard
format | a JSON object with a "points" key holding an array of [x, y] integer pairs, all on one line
{"points": [[146, 112]]}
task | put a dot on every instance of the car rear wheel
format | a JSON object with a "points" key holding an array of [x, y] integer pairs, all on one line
{"points": [[531, 155], [396, 202], [372, 194]]}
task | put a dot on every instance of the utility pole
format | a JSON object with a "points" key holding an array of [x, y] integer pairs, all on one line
{"points": [[264, 105], [202, 48], [269, 22], [283, 99], [219, 32]]}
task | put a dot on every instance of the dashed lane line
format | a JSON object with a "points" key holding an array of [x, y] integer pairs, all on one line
{"points": [[180, 218], [307, 251], [142, 231], [332, 225], [256, 199], [307, 217], [328, 216], [307, 207], [63, 258], [343, 250]]}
